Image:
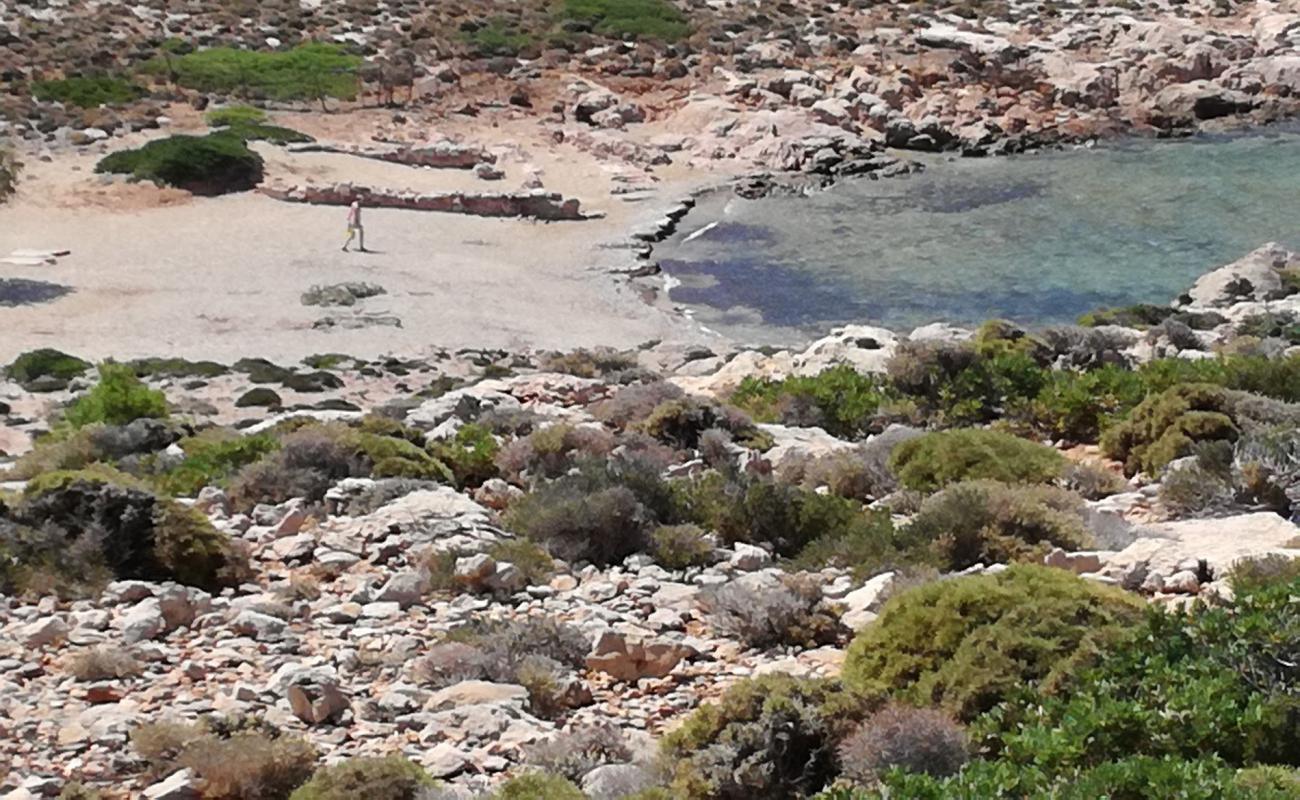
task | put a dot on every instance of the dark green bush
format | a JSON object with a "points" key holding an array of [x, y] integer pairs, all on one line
{"points": [[79, 527], [117, 399], [235, 115], [259, 397], [938, 459], [680, 423], [985, 522], [787, 518], [1166, 426], [176, 368], [206, 165], [499, 36], [769, 738], [45, 366], [274, 134], [954, 384], [965, 644], [1211, 683], [390, 778], [88, 91]]}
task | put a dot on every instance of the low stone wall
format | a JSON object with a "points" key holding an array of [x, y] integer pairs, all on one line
{"points": [[441, 155], [536, 204]]}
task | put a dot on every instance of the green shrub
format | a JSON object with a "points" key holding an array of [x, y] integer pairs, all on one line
{"points": [[45, 366], [117, 399], [176, 368], [681, 422], [552, 451], [88, 91], [1137, 778], [537, 786], [964, 644], [841, 400], [985, 522], [603, 527], [235, 115], [211, 458], [390, 778], [499, 37], [938, 459], [1141, 315], [470, 454], [641, 19], [308, 462], [1213, 682], [680, 546], [1077, 406], [311, 72], [956, 385], [1166, 426], [530, 559], [272, 134], [769, 737], [1257, 574], [206, 165], [788, 519]]}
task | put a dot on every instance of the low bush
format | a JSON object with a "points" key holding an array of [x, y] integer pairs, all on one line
{"points": [[118, 398], [680, 547], [596, 363], [88, 91], [680, 423], [935, 460], [623, 19], [1215, 682], [859, 474], [1141, 315], [632, 404], [984, 522], [496, 651], [841, 400], [76, 449], [1077, 406], [602, 513], [1257, 574], [788, 519], [907, 738], [574, 753], [204, 165], [1166, 426], [239, 758], [552, 451], [390, 778], [211, 458], [952, 384], [95, 523], [768, 737], [470, 455], [37, 369], [103, 663], [499, 37], [965, 644], [235, 115], [537, 786], [776, 613]]}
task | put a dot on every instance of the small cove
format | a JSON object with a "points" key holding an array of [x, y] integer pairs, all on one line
{"points": [[1036, 238]]}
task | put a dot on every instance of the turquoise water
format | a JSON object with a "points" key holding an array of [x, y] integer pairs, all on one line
{"points": [[1036, 238]]}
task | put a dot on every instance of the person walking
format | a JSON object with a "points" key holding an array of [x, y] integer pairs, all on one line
{"points": [[355, 230]]}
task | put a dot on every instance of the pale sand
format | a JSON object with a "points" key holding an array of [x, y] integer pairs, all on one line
{"points": [[158, 273]]}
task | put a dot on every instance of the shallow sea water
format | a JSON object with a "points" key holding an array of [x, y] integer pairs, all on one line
{"points": [[1035, 238]]}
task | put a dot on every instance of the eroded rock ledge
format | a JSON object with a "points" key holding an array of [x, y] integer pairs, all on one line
{"points": [[439, 155], [534, 204]]}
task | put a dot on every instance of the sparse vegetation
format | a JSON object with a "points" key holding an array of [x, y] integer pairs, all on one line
{"points": [[390, 778], [119, 397], [313, 72], [88, 91]]}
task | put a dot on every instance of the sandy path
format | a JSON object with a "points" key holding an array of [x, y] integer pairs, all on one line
{"points": [[221, 278]]}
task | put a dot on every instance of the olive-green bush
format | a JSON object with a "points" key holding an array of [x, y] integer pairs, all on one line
{"points": [[45, 368], [985, 522], [390, 778], [769, 737], [965, 644], [935, 460], [1166, 426]]}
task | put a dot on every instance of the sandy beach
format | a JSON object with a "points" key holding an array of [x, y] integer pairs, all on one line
{"points": [[154, 270]]}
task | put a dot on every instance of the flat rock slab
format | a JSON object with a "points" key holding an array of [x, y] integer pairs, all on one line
{"points": [[1218, 542]]}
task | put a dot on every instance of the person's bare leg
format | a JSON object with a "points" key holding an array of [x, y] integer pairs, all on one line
{"points": [[351, 233], [361, 232]]}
